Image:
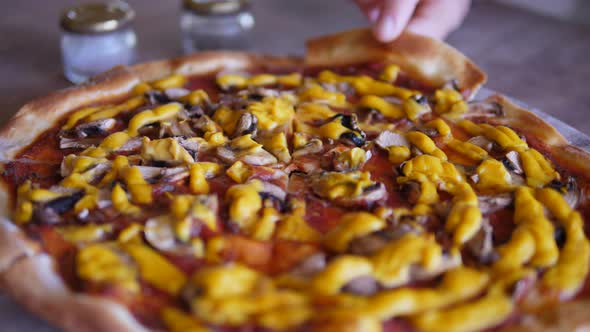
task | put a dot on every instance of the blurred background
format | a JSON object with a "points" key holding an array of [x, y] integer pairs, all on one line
{"points": [[534, 50]]}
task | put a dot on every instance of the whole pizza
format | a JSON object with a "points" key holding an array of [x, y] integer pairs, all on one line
{"points": [[357, 189]]}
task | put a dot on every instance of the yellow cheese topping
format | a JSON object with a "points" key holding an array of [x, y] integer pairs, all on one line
{"points": [[199, 173], [272, 112], [84, 233], [223, 293], [185, 208], [245, 202], [166, 149], [294, 227], [177, 321], [351, 226], [113, 111], [333, 185], [387, 109], [532, 240], [100, 263], [172, 81], [155, 269], [160, 113]]}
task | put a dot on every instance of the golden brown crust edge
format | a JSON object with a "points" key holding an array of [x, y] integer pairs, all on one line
{"points": [[426, 59], [43, 292], [531, 125]]}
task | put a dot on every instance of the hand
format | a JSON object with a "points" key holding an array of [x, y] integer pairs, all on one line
{"points": [[434, 18]]}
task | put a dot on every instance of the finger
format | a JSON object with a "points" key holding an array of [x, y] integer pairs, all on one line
{"points": [[370, 8], [438, 18], [393, 18]]}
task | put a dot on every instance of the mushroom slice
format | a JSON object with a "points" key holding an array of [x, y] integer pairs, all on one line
{"points": [[350, 159], [411, 190], [174, 174], [483, 142], [491, 204], [131, 145], [370, 244], [258, 93], [311, 265], [484, 108], [448, 261], [370, 195], [364, 286], [247, 150], [348, 188], [50, 212], [159, 232], [481, 245], [95, 128], [389, 138], [78, 143], [570, 189], [165, 174], [176, 128], [246, 125], [176, 93], [512, 162], [314, 145], [156, 97], [273, 191]]}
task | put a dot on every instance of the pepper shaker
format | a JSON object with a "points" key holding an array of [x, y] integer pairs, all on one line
{"points": [[216, 24], [95, 38]]}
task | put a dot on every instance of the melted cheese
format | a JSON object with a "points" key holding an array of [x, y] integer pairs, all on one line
{"points": [[571, 269], [199, 173], [155, 269], [425, 144], [178, 321], [113, 111], [172, 81], [272, 112], [449, 101], [84, 233], [166, 149], [387, 109], [160, 113], [293, 226], [532, 240], [245, 202], [352, 225], [333, 185], [99, 263], [492, 176]]}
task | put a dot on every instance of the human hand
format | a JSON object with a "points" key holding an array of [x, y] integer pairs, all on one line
{"points": [[434, 18]]}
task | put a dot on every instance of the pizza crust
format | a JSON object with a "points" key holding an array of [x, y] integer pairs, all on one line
{"points": [[553, 143], [426, 59], [44, 293]]}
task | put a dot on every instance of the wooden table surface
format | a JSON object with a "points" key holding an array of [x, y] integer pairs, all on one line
{"points": [[541, 61]]}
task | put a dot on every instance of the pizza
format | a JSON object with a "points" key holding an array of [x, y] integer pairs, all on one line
{"points": [[360, 188]]}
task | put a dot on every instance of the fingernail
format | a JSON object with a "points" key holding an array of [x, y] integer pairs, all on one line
{"points": [[386, 29]]}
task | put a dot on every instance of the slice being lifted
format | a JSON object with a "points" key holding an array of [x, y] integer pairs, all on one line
{"points": [[359, 189]]}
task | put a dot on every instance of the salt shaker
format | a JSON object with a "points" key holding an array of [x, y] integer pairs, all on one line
{"points": [[96, 37], [216, 24]]}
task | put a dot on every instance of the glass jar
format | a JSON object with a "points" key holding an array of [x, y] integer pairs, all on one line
{"points": [[96, 38], [216, 24]]}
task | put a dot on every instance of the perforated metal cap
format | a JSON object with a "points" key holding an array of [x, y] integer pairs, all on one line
{"points": [[216, 7], [97, 17]]}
